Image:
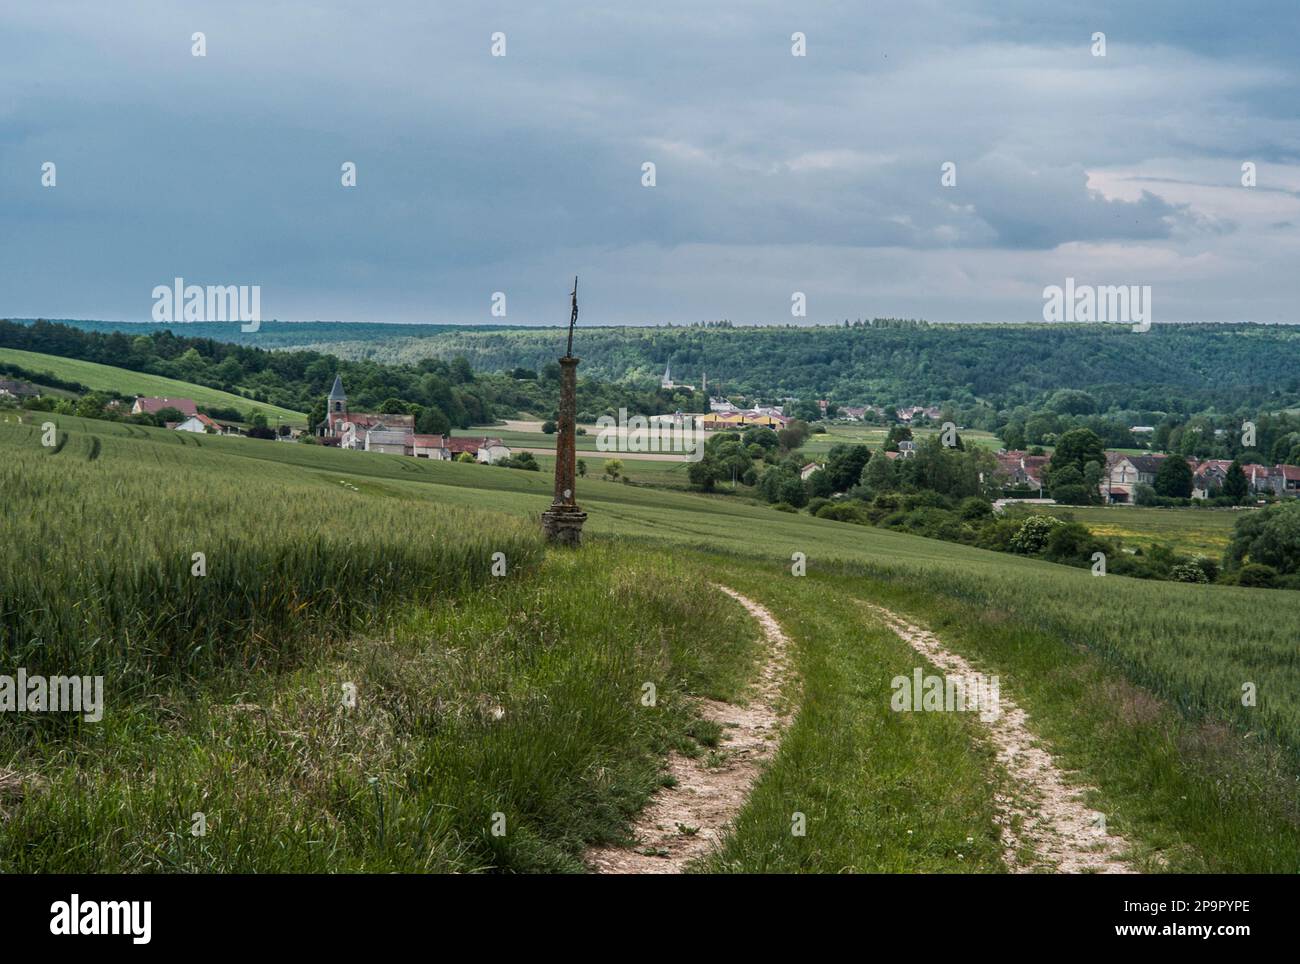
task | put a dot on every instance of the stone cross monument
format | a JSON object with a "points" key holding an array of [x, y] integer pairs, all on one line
{"points": [[562, 522]]}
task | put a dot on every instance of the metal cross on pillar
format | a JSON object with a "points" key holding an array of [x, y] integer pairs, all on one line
{"points": [[562, 523]]}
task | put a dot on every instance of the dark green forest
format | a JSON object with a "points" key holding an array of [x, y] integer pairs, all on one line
{"points": [[1176, 368]]}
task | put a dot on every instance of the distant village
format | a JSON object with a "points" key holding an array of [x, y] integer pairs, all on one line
{"points": [[1124, 473], [342, 428], [395, 434]]}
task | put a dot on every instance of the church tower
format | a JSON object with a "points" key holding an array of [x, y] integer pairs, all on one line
{"points": [[667, 380], [336, 408]]}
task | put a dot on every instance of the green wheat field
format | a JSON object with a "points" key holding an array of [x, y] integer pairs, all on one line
{"points": [[383, 655]]}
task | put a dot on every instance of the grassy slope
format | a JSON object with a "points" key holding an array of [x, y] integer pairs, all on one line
{"points": [[108, 378], [1172, 772]]}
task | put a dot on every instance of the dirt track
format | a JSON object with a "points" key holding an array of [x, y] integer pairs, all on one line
{"points": [[684, 822]]}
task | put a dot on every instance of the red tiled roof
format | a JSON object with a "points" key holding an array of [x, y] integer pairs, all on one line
{"points": [[152, 406], [363, 420], [472, 445], [458, 445]]}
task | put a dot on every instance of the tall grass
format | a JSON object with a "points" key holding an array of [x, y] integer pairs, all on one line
{"points": [[100, 534], [521, 698]]}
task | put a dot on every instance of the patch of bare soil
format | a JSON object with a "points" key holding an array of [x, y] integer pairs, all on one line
{"points": [[14, 786], [1044, 824], [684, 822]]}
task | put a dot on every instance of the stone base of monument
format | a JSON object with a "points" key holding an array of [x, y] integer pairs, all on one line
{"points": [[563, 525]]}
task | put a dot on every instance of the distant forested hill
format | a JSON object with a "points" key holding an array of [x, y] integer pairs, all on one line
{"points": [[1172, 368], [272, 334]]}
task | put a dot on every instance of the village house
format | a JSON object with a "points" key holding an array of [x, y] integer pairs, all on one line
{"points": [[808, 470], [913, 412], [387, 440], [443, 448], [199, 424], [1284, 480], [430, 447], [148, 405], [1208, 478], [1125, 473], [1260, 477], [1021, 469], [11, 388]]}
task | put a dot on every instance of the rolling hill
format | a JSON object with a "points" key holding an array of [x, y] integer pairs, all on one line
{"points": [[108, 378]]}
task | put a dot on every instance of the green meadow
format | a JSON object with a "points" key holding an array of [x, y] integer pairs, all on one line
{"points": [[481, 692], [1193, 531], [874, 435]]}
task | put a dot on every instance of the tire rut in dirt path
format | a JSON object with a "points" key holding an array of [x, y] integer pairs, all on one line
{"points": [[1043, 812], [706, 799]]}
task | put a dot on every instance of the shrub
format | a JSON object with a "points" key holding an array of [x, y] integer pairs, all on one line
{"points": [[844, 512], [1270, 536], [1257, 575], [793, 492], [997, 535], [1073, 544], [1032, 536], [1187, 572], [1072, 494]]}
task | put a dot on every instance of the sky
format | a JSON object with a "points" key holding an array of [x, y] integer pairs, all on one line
{"points": [[774, 174]]}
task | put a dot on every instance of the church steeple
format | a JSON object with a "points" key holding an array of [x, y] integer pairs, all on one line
{"points": [[338, 401]]}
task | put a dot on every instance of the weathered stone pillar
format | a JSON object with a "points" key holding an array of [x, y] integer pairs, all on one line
{"points": [[562, 523]]}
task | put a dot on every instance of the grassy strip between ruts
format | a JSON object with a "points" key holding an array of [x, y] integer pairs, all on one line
{"points": [[517, 706], [879, 791]]}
